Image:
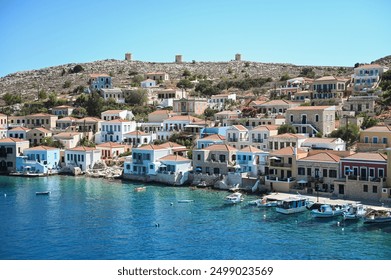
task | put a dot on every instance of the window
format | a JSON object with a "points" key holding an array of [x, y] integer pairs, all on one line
{"points": [[10, 164], [291, 117], [366, 139], [290, 160], [127, 166], [198, 157], [301, 171], [324, 172], [333, 173], [365, 188], [381, 172], [222, 158], [374, 140], [9, 150], [309, 171], [384, 140], [374, 189], [317, 118], [151, 166]]}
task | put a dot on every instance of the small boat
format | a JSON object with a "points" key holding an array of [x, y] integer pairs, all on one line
{"points": [[201, 184], [327, 211], [266, 203], [377, 217], [233, 198], [354, 212], [292, 205], [42, 193], [140, 189], [234, 188], [185, 200]]}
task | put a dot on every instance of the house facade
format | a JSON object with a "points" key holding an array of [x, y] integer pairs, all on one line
{"points": [[113, 93], [100, 81], [237, 136], [36, 135], [18, 132], [63, 110], [115, 130], [367, 77], [259, 136], [315, 143], [215, 159], [185, 106], [40, 159], [252, 161], [10, 148], [110, 115], [375, 138], [281, 141], [138, 137], [68, 139], [3, 125], [329, 87], [82, 157], [210, 140], [219, 100]]}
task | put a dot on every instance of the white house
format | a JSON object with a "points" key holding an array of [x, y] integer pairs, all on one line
{"points": [[137, 137], [217, 101], [115, 130], [237, 136], [63, 110], [174, 169], [210, 140], [83, 157], [176, 124], [157, 76], [251, 160], [315, 143], [144, 160], [367, 77], [113, 93], [117, 114], [68, 139], [148, 83], [258, 136]]}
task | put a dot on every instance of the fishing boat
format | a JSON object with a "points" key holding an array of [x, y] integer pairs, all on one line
{"points": [[327, 211], [354, 212], [377, 216], [292, 205], [140, 189], [42, 193], [233, 198]]}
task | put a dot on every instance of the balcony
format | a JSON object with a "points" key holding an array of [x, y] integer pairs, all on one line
{"points": [[257, 140], [280, 164], [316, 179]]}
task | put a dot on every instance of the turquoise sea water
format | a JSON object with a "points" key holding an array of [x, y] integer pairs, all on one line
{"points": [[86, 218]]}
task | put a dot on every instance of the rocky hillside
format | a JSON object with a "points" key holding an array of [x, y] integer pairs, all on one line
{"points": [[59, 79]]}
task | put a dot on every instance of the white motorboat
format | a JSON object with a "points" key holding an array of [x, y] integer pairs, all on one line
{"points": [[327, 211], [233, 198], [354, 212], [292, 205]]}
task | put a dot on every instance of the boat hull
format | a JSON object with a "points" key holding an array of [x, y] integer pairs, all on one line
{"points": [[291, 210]]}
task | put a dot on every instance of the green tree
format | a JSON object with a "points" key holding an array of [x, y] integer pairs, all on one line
{"points": [[286, 128], [86, 142], [94, 104], [136, 80], [186, 74], [11, 99], [349, 133], [136, 97], [369, 122], [48, 141], [67, 84], [42, 94], [285, 77], [185, 83], [249, 112], [209, 112]]}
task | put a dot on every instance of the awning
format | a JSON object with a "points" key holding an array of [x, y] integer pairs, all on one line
{"points": [[274, 158], [198, 169], [302, 181], [163, 165], [237, 166]]}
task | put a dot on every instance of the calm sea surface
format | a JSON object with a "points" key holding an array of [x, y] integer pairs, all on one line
{"points": [[86, 218]]}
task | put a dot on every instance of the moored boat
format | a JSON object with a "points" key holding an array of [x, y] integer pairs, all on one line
{"points": [[266, 203], [377, 216], [140, 189], [233, 198], [327, 211], [354, 212], [185, 200], [292, 205], [42, 193]]}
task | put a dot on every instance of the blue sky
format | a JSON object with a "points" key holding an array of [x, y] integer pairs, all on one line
{"points": [[43, 33]]}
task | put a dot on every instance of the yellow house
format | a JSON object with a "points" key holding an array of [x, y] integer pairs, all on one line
{"points": [[375, 138]]}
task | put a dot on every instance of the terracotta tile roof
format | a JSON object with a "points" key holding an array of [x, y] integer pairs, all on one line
{"points": [[310, 108], [277, 102], [213, 137], [184, 118], [171, 145], [2, 115], [250, 149], [220, 147], [10, 139], [239, 127], [66, 135], [19, 128], [326, 78], [287, 151], [379, 128], [83, 148], [149, 147], [113, 111], [137, 132], [325, 156], [367, 157], [62, 107], [110, 145], [227, 113], [41, 115], [319, 140], [67, 119], [265, 127], [157, 112], [289, 135], [366, 66], [89, 119], [257, 102], [173, 158], [41, 148], [118, 121]]}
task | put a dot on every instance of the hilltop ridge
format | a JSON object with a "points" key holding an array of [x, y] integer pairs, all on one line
{"points": [[52, 79]]}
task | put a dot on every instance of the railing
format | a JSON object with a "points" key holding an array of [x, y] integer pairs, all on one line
{"points": [[280, 179], [280, 164], [257, 140]]}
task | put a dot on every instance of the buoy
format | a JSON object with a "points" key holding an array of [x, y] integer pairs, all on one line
{"points": [[338, 224], [157, 225], [343, 229], [264, 216], [5, 195], [171, 203]]}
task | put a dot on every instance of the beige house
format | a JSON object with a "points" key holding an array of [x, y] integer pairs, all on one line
{"points": [[282, 170], [157, 76], [36, 135], [375, 138], [89, 124], [317, 171], [237, 136], [329, 87], [223, 115], [111, 150], [187, 106], [68, 139], [35, 120], [312, 119], [3, 125], [278, 106], [361, 104], [10, 148], [65, 123], [281, 141], [214, 159]]}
